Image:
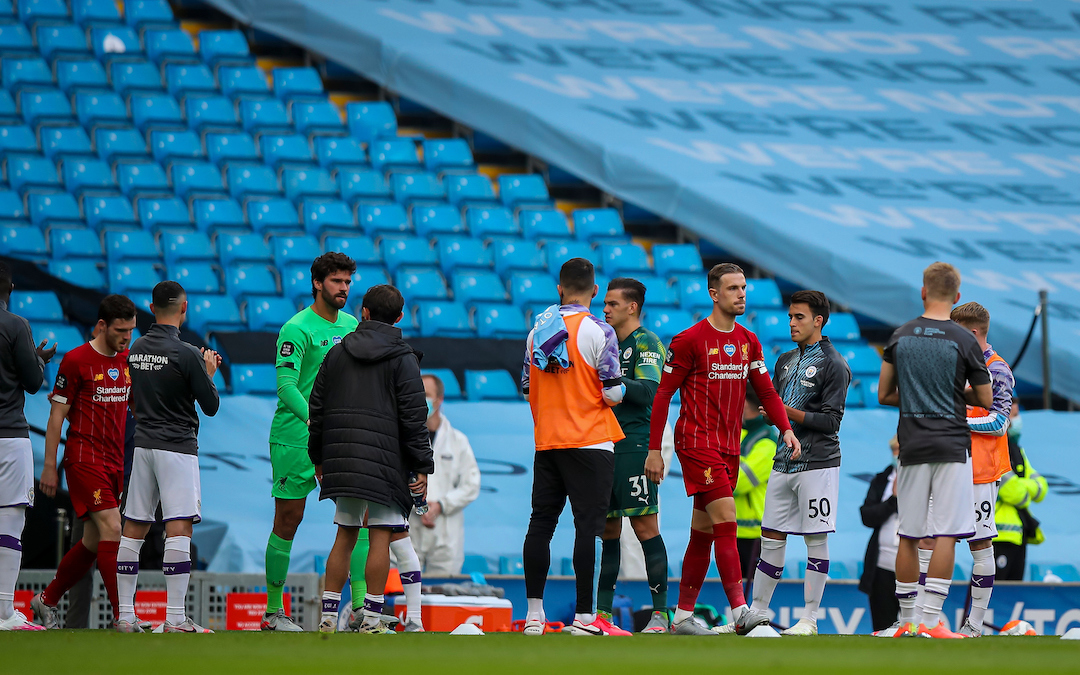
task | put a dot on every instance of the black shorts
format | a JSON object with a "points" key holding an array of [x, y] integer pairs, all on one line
{"points": [[584, 476]]}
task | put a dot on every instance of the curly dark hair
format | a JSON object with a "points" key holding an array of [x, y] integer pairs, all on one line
{"points": [[327, 264]]}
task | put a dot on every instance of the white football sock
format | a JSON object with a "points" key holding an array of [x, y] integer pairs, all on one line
{"points": [[409, 569], [982, 584], [12, 520], [936, 592], [585, 618], [905, 595], [770, 568], [373, 608], [817, 573], [535, 611], [127, 576], [176, 563], [330, 603], [682, 615], [920, 599]]}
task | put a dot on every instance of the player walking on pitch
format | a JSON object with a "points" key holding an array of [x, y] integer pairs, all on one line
{"points": [[802, 495], [641, 354], [711, 363], [926, 364], [91, 393], [168, 377]]}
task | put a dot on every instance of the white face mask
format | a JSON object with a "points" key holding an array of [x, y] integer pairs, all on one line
{"points": [[1016, 426]]}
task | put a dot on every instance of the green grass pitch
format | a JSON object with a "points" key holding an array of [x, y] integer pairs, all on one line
{"points": [[105, 652]]}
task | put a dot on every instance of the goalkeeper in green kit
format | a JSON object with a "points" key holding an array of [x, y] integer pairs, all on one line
{"points": [[302, 344]]}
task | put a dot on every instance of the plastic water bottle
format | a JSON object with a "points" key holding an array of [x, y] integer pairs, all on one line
{"points": [[418, 499]]}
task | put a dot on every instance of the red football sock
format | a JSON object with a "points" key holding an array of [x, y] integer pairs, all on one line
{"points": [[695, 565], [727, 563], [106, 564], [74, 566]]}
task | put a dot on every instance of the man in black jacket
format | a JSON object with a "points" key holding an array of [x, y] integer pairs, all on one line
{"points": [[367, 434], [879, 567]]}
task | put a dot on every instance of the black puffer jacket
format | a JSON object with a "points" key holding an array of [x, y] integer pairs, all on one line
{"points": [[368, 418]]}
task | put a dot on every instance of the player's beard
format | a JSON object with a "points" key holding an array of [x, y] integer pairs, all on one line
{"points": [[337, 302]]}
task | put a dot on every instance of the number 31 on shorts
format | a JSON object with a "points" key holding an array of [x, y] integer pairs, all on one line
{"points": [[639, 485]]}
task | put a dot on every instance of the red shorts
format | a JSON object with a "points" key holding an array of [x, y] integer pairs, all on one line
{"points": [[712, 474], [93, 487]]}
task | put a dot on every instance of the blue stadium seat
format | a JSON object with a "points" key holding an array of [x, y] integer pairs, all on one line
{"points": [[436, 219], [123, 246], [671, 259], [693, 292], [240, 81], [763, 294], [132, 76], [109, 212], [528, 288], [143, 13], [213, 313], [182, 79], [273, 215], [32, 73], [196, 277], [667, 322], [417, 187], [15, 40], [155, 110], [17, 140], [466, 189], [231, 147], [54, 209], [62, 40], [100, 108], [66, 244], [490, 385], [772, 326], [250, 179], [285, 150], [303, 183], [82, 273], [561, 250], [223, 46], [290, 249], [32, 11], [502, 321], [115, 42], [394, 153], [139, 179], [360, 248], [311, 117], [7, 107], [443, 318], [292, 83], [518, 255], [132, 276], [196, 178], [868, 384], [334, 151], [210, 112], [84, 175], [447, 153], [327, 215], [91, 12], [491, 221], [170, 44], [243, 280], [362, 185], [518, 189], [511, 565], [473, 286], [41, 107], [544, 224], [855, 397], [842, 327], [65, 338], [80, 75], [37, 306], [451, 389], [420, 283], [253, 379], [115, 144], [408, 251], [463, 253], [24, 173], [379, 219], [599, 225], [233, 248], [863, 360], [364, 278], [1066, 572], [217, 215], [11, 208], [264, 115], [184, 247], [296, 283], [372, 120], [624, 260], [268, 313], [658, 292], [158, 214], [169, 146]]}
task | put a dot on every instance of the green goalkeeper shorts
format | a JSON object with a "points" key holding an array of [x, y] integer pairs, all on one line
{"points": [[294, 474], [632, 494]]}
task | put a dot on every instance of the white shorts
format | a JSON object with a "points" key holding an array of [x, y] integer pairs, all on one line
{"points": [[167, 478], [985, 498], [948, 484], [351, 511], [16, 472], [803, 502]]}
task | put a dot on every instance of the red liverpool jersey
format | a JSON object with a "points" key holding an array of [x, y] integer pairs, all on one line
{"points": [[711, 368], [97, 389]]}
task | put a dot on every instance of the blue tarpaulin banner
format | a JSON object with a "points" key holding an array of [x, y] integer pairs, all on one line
{"points": [[841, 145]]}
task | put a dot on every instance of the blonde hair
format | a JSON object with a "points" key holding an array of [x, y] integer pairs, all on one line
{"points": [[941, 281], [972, 315]]}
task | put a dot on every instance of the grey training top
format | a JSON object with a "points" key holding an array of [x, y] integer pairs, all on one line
{"points": [[21, 372]]}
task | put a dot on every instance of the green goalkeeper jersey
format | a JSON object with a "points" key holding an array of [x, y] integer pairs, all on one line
{"points": [[301, 347], [641, 356]]}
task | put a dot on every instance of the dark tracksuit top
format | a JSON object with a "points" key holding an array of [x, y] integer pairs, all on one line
{"points": [[21, 372]]}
